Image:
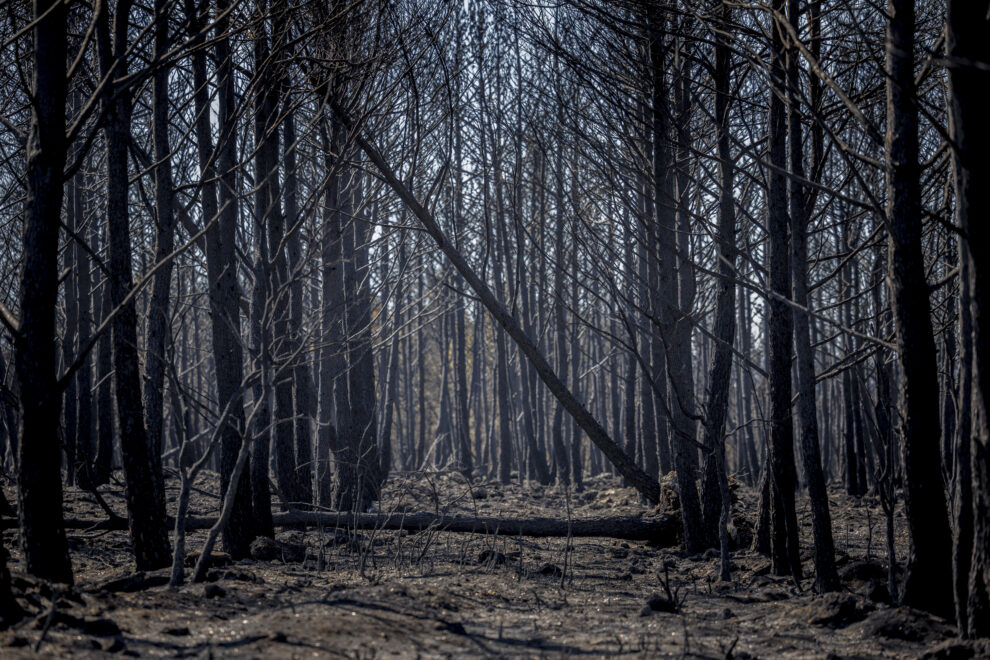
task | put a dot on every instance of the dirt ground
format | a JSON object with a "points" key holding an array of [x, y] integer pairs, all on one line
{"points": [[371, 594]]}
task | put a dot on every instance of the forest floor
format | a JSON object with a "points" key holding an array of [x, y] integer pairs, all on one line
{"points": [[377, 594]]}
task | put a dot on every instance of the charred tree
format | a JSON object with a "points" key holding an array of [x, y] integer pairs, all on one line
{"points": [[142, 467], [158, 309], [219, 204], [969, 74], [826, 577], [780, 321], [716, 499], [39, 482], [928, 579]]}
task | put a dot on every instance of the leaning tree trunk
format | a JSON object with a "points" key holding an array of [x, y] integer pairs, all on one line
{"points": [[648, 487], [928, 579]]}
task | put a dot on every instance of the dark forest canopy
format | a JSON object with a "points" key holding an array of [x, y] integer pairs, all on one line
{"points": [[308, 245]]}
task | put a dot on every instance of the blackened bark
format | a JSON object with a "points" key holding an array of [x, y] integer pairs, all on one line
{"points": [[69, 338], [158, 326], [948, 357], [853, 488], [535, 458], [443, 445], [761, 534], [962, 468], [9, 407], [345, 459], [272, 86], [221, 264], [779, 324], [654, 443], [561, 459], [356, 449], [39, 483], [716, 501], [682, 367], [86, 422], [465, 459], [239, 530], [648, 487], [747, 395], [103, 459], [361, 365], [576, 461], [386, 446], [264, 308], [928, 579], [302, 380], [145, 492], [969, 75], [672, 324], [826, 577], [331, 306]]}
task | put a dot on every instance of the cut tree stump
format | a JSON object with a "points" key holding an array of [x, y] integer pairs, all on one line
{"points": [[660, 530]]}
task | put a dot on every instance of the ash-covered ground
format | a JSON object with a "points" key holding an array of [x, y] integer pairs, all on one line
{"points": [[334, 593]]}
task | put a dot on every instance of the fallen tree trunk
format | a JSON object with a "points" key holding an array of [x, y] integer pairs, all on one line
{"points": [[662, 530]]}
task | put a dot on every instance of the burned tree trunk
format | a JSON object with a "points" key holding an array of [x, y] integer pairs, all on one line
{"points": [[267, 315], [928, 581], [779, 324], [39, 483], [302, 381], [142, 468], [86, 422], [672, 324], [221, 264], [648, 487], [158, 325], [969, 75], [826, 577], [361, 366], [716, 500]]}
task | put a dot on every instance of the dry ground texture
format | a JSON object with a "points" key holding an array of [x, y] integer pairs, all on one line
{"points": [[326, 593]]}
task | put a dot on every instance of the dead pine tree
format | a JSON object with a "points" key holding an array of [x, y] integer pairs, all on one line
{"points": [[928, 578], [780, 465], [968, 51], [39, 483]]}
